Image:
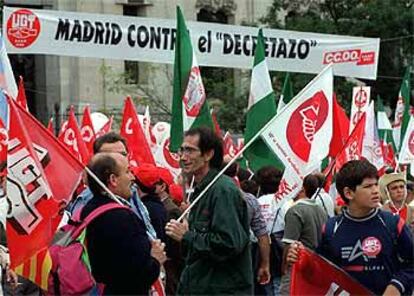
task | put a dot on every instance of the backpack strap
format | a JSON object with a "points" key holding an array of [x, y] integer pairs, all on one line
{"points": [[331, 226], [94, 214], [393, 225]]}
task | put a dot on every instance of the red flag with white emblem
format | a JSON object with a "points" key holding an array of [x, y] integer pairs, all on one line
{"points": [[131, 130], [87, 131], [229, 148], [73, 140], [42, 176], [352, 149], [306, 277], [301, 133]]}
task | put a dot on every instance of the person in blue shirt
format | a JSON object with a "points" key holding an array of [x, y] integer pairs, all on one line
{"points": [[113, 142], [374, 247]]}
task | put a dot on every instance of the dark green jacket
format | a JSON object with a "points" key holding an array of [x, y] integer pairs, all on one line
{"points": [[217, 244]]}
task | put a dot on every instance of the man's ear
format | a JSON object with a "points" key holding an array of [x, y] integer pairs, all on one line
{"points": [[112, 180], [209, 155], [349, 193]]}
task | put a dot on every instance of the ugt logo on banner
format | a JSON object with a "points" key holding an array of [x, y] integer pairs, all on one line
{"points": [[23, 28]]}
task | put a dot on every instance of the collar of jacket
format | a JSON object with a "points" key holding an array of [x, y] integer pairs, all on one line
{"points": [[204, 182]]}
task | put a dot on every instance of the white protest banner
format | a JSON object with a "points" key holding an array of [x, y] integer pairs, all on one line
{"points": [[32, 31], [360, 101]]}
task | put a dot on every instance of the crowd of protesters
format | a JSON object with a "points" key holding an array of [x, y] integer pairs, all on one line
{"points": [[238, 238]]}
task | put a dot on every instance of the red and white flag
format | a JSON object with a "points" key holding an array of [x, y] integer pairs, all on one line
{"points": [[145, 121], [372, 147], [72, 139], [106, 128], [314, 275], [167, 159], [21, 94], [300, 134], [4, 138], [87, 131], [228, 144], [352, 149], [42, 176], [131, 130]]}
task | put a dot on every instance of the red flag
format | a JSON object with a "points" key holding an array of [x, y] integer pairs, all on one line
{"points": [[167, 159], [229, 147], [340, 130], [106, 128], [21, 94], [73, 140], [352, 149], [217, 128], [42, 176], [87, 131], [3, 145], [131, 130], [50, 126], [314, 275], [389, 154], [63, 127]]}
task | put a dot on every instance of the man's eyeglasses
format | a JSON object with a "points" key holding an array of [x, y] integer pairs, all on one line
{"points": [[187, 150]]}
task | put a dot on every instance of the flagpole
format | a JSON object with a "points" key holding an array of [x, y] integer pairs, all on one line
{"points": [[248, 144]]}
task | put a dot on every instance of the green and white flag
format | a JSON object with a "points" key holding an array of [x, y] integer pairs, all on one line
{"points": [[287, 93], [261, 108], [407, 148], [189, 104], [402, 110]]}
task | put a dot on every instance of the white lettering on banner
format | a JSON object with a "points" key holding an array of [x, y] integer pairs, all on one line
{"points": [[25, 188], [153, 40]]}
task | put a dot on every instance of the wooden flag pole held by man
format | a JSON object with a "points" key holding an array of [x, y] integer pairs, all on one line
{"points": [[247, 145]]}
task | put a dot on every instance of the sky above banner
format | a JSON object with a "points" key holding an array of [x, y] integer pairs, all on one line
{"points": [[30, 31]]}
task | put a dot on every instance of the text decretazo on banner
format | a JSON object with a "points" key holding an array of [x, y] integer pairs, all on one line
{"points": [[152, 40]]}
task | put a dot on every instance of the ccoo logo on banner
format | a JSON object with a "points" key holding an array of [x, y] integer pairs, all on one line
{"points": [[31, 31]]}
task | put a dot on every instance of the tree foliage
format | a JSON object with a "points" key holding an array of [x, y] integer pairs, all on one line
{"points": [[390, 20]]}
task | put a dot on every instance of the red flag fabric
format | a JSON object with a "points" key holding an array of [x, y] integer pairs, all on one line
{"points": [[131, 130], [3, 145], [217, 128], [228, 145], [314, 275], [352, 149], [21, 94], [106, 128], [63, 127], [73, 140], [42, 176], [340, 130], [87, 131], [389, 155], [167, 159], [50, 126]]}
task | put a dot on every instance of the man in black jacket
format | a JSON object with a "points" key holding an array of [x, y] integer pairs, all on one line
{"points": [[121, 256]]}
